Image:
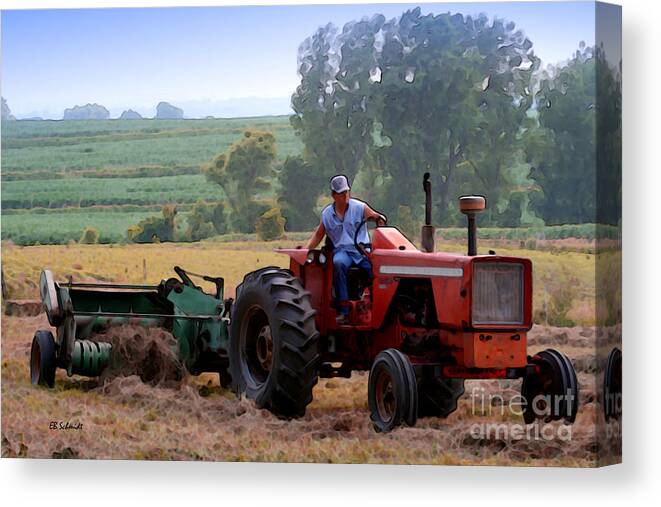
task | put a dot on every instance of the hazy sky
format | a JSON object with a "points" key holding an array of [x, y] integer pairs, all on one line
{"points": [[210, 60]]}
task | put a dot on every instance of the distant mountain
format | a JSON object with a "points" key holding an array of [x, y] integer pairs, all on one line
{"points": [[87, 112], [6, 112], [130, 114], [165, 111], [33, 118], [236, 107]]}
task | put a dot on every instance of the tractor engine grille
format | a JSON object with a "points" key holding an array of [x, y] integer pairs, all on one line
{"points": [[497, 293]]}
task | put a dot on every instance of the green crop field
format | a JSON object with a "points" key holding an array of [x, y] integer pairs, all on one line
{"points": [[76, 169], [86, 192], [59, 177]]}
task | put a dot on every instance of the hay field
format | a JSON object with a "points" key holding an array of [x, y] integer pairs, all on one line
{"points": [[195, 419], [554, 271]]}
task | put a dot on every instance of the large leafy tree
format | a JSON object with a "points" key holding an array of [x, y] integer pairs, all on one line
{"points": [[332, 111], [392, 100], [609, 140], [246, 168], [299, 187], [562, 152], [455, 95]]}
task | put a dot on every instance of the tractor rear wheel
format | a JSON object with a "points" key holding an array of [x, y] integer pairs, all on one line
{"points": [[392, 391], [274, 350], [43, 359], [438, 396]]}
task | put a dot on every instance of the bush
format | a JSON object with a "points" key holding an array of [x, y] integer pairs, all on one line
{"points": [[90, 236], [202, 231], [270, 225], [205, 220], [155, 229], [251, 212]]}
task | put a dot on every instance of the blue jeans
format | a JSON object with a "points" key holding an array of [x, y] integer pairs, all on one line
{"points": [[342, 261]]}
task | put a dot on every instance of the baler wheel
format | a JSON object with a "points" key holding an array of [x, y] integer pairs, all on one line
{"points": [[438, 396], [43, 359], [392, 391], [555, 379], [274, 351], [613, 384]]}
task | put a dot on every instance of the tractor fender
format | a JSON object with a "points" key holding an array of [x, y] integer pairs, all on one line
{"points": [[299, 255]]}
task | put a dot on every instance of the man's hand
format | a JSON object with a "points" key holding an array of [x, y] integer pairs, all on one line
{"points": [[370, 214]]}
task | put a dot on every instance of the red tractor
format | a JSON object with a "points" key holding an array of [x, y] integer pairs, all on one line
{"points": [[424, 323]]}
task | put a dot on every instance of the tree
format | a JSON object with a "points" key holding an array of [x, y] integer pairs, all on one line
{"points": [[155, 229], [332, 110], [455, 94], [6, 112], [90, 236], [406, 223], [562, 152], [391, 100], [270, 225], [299, 187], [609, 140], [245, 169], [205, 220]]}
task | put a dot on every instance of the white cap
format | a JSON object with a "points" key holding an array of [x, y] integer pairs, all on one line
{"points": [[339, 184]]}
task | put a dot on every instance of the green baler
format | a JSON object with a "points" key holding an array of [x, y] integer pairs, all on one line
{"points": [[79, 311]]}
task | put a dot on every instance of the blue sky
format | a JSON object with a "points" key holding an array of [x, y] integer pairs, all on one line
{"points": [[226, 61]]}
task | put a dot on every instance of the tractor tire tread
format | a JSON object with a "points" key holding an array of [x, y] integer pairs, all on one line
{"points": [[288, 389]]}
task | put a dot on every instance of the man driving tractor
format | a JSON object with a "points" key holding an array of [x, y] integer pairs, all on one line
{"points": [[339, 221]]}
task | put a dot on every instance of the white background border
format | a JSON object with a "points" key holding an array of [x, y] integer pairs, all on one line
{"points": [[637, 481]]}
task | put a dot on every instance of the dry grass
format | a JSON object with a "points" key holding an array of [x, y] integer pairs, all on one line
{"points": [[125, 263], [557, 272], [124, 418]]}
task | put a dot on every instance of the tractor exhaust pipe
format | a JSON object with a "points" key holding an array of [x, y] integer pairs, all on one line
{"points": [[471, 205], [427, 234]]}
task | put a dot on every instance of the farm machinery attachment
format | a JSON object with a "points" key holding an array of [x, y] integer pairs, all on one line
{"points": [[422, 322], [81, 311]]}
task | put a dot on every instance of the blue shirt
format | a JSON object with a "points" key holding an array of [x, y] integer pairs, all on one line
{"points": [[341, 231]]}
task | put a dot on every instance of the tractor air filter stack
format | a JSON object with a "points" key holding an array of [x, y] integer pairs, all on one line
{"points": [[427, 229], [471, 205]]}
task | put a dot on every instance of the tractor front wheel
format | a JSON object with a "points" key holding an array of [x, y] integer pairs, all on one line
{"points": [[550, 388], [613, 385], [43, 359], [274, 350], [392, 391]]}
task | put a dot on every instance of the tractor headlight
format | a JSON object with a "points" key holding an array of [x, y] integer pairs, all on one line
{"points": [[310, 257], [322, 258], [497, 293]]}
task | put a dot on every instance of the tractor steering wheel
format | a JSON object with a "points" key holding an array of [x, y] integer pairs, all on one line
{"points": [[362, 247]]}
